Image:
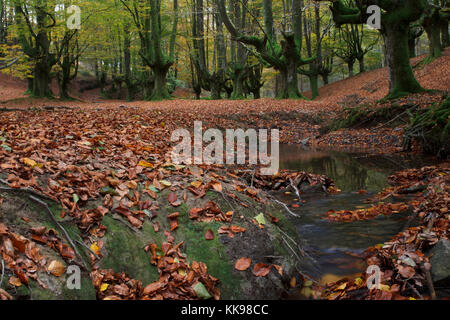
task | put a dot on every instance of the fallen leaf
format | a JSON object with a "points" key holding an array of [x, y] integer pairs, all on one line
{"points": [[56, 268], [242, 264], [209, 235], [261, 269]]}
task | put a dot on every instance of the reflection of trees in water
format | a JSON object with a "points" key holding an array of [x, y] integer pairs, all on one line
{"points": [[350, 172], [346, 172]]}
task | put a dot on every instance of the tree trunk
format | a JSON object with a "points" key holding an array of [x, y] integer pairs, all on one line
{"points": [[127, 62], [238, 84], [350, 65], [444, 33], [325, 79], [289, 84], [362, 66], [432, 26], [160, 91], [401, 76], [434, 39], [256, 94], [41, 80], [314, 83], [412, 48], [216, 88]]}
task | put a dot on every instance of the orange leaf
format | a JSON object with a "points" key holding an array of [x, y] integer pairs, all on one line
{"points": [[261, 269], [242, 264], [209, 235]]}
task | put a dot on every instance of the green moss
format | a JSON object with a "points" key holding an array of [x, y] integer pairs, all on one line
{"points": [[125, 252], [210, 252], [431, 129], [86, 292]]}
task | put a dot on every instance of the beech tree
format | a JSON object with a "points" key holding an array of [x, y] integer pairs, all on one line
{"points": [[396, 17], [284, 55], [147, 18]]}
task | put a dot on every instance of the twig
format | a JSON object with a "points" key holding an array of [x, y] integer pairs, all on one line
{"points": [[295, 189], [299, 259], [27, 190], [3, 271], [118, 218], [398, 116], [429, 281], [286, 207], [52, 217], [415, 291], [90, 250], [229, 204]]}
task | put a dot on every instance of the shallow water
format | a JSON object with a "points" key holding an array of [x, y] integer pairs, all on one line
{"points": [[335, 246]]}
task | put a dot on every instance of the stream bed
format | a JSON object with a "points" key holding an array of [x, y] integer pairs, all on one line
{"points": [[336, 246]]}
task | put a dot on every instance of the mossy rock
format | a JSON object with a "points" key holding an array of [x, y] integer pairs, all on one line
{"points": [[124, 246]]}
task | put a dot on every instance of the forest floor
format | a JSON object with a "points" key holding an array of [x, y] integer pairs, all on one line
{"points": [[97, 159]]}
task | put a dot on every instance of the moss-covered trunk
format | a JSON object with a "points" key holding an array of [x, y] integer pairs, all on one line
{"points": [[41, 79], [238, 83], [160, 91], [289, 84], [314, 82], [401, 76], [445, 41], [362, 65], [434, 40], [351, 71]]}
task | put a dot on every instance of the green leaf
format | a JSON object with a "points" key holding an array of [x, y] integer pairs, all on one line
{"points": [[7, 148], [108, 190], [260, 219], [75, 198], [153, 188], [201, 291]]}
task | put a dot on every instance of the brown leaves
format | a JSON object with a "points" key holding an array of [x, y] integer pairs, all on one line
{"points": [[386, 209], [261, 269], [173, 199], [56, 268], [210, 212], [242, 264], [177, 279], [231, 231], [173, 218], [406, 271], [209, 235]]}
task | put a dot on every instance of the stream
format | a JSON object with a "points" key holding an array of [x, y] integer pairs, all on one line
{"points": [[336, 246]]}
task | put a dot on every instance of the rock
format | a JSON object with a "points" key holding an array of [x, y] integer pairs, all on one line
{"points": [[440, 262]]}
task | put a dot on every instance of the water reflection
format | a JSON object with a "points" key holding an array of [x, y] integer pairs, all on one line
{"points": [[351, 171], [335, 246]]}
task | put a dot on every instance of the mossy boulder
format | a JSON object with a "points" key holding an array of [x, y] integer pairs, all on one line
{"points": [[124, 246]]}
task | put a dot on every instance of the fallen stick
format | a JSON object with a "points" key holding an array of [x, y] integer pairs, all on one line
{"points": [[295, 189], [286, 207], [3, 272], [426, 268], [89, 249], [52, 217], [27, 190]]}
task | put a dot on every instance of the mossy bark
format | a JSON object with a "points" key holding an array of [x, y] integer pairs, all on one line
{"points": [[160, 91], [445, 41], [401, 77]]}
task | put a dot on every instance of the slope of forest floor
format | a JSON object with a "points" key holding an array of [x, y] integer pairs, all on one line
{"points": [[300, 121]]}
